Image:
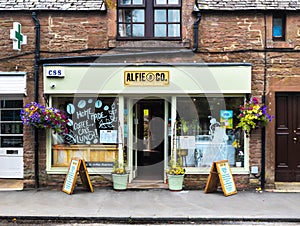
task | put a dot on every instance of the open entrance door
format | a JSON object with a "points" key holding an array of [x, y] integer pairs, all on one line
{"points": [[149, 132]]}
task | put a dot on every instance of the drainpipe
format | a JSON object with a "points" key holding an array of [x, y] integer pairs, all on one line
{"points": [[197, 13], [263, 132], [36, 96]]}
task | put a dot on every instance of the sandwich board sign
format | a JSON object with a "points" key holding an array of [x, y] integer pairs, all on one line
{"points": [[76, 166], [220, 173]]}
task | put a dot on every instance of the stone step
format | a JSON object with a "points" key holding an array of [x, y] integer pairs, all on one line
{"points": [[147, 184], [287, 187], [11, 184]]}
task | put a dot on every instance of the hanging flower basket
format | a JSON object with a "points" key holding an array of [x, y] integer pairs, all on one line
{"points": [[253, 115], [40, 116]]}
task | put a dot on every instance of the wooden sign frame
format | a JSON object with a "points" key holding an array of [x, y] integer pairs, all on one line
{"points": [[220, 172], [76, 166]]}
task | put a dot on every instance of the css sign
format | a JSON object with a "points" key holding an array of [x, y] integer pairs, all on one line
{"points": [[56, 72]]}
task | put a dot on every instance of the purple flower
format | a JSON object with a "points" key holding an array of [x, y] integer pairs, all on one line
{"points": [[254, 100]]}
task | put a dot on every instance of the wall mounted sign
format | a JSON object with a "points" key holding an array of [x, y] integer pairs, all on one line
{"points": [[17, 37], [55, 72], [146, 78]]}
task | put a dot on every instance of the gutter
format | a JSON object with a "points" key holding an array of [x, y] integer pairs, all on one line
{"points": [[263, 132], [36, 96], [197, 13]]}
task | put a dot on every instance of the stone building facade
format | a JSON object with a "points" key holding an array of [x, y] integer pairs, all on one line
{"points": [[229, 38]]}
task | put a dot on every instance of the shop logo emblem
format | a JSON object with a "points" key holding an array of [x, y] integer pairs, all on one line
{"points": [[150, 77]]}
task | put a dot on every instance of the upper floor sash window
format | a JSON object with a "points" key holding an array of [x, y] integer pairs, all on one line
{"points": [[152, 19]]}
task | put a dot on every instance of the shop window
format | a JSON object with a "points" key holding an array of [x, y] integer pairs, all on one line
{"points": [[93, 131], [155, 19], [206, 131], [11, 133], [279, 23]]}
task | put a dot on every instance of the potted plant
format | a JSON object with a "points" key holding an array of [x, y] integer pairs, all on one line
{"points": [[175, 174], [253, 115], [40, 116], [119, 175]]}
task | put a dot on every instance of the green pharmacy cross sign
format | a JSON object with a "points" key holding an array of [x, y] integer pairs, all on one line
{"points": [[17, 37]]}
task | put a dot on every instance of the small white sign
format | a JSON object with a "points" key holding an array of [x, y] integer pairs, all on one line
{"points": [[187, 142], [57, 72], [108, 136], [17, 37]]}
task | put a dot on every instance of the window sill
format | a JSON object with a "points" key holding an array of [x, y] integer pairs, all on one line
{"points": [[91, 171], [279, 45], [186, 43], [234, 170]]}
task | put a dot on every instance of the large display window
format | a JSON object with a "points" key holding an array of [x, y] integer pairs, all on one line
{"points": [[92, 131], [206, 131]]}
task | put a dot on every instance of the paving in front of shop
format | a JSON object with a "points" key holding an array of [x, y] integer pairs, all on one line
{"points": [[155, 204]]}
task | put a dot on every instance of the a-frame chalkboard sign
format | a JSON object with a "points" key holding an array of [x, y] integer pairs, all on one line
{"points": [[220, 172], [77, 165]]}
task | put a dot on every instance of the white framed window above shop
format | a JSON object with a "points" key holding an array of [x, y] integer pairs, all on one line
{"points": [[279, 27], [153, 19]]}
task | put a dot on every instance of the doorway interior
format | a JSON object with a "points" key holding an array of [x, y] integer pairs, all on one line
{"points": [[149, 133]]}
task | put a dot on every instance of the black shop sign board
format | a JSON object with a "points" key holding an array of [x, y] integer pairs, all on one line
{"points": [[77, 166], [220, 173]]}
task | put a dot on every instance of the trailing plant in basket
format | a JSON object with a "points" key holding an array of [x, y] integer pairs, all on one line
{"points": [[253, 115], [39, 116]]}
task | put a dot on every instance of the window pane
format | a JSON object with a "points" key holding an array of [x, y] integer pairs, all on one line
{"points": [[173, 30], [11, 141], [173, 2], [173, 15], [10, 115], [124, 30], [125, 2], [211, 122], [160, 15], [11, 128], [138, 30], [161, 2], [277, 27], [125, 15], [11, 103], [138, 2], [138, 15], [160, 30]]}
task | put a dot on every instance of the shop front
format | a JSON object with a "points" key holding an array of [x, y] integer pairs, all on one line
{"points": [[12, 91], [142, 112]]}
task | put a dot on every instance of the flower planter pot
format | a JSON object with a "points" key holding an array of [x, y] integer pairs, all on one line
{"points": [[175, 182], [120, 181]]}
